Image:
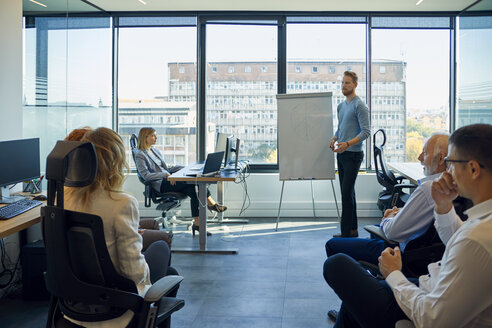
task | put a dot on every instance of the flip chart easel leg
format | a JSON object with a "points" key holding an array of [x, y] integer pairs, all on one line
{"points": [[280, 205], [312, 198], [335, 196]]}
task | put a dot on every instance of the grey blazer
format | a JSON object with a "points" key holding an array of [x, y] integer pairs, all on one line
{"points": [[151, 170]]}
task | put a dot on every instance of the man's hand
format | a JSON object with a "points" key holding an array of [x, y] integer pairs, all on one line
{"points": [[141, 231], [332, 143], [342, 146], [444, 190], [390, 212], [389, 261]]}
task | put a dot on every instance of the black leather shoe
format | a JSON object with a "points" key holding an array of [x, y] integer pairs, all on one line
{"points": [[333, 315], [219, 208], [353, 234], [197, 228]]}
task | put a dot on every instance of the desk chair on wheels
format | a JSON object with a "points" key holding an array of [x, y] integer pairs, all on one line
{"points": [[392, 194], [165, 201], [80, 276]]}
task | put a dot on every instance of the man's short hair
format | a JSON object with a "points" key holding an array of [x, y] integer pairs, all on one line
{"points": [[474, 142], [351, 74]]}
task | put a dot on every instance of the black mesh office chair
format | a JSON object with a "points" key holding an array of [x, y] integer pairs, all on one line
{"points": [[392, 194], [80, 276], [165, 201], [418, 254]]}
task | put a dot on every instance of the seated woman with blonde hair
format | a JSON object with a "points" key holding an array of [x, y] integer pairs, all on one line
{"points": [[148, 228], [119, 213], [150, 164]]}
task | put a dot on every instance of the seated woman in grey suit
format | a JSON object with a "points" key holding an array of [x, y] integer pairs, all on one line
{"points": [[150, 164]]}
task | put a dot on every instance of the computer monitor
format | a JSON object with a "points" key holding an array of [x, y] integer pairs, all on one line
{"points": [[232, 149], [19, 161], [221, 143], [230, 144]]}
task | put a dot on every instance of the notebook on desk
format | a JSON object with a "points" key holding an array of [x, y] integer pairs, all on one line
{"points": [[211, 166]]}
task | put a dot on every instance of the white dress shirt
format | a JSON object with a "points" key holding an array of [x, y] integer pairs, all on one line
{"points": [[457, 292], [413, 219]]}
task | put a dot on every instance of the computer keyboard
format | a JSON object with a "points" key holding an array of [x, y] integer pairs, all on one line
{"points": [[10, 210]]}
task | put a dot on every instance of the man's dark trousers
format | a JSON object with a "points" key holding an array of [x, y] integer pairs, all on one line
{"points": [[348, 168], [366, 301]]}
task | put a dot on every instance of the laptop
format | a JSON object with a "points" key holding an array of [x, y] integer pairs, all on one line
{"points": [[211, 167]]}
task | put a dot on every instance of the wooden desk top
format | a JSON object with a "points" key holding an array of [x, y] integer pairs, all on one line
{"points": [[411, 171], [20, 222]]}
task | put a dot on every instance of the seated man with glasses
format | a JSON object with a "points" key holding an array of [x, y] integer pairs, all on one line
{"points": [[405, 224], [457, 290]]}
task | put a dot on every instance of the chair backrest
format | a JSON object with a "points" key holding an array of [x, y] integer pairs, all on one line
{"points": [[80, 273], [133, 145], [385, 177]]}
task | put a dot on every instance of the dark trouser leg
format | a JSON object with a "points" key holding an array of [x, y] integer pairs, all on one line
{"points": [[360, 249], [157, 257], [366, 301], [188, 190], [348, 168]]}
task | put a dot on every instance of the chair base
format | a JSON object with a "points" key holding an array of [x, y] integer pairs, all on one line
{"points": [[224, 251]]}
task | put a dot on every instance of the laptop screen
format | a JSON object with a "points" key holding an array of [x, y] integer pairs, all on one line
{"points": [[213, 162]]}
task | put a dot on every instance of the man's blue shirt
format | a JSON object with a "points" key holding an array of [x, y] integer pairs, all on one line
{"points": [[353, 121]]}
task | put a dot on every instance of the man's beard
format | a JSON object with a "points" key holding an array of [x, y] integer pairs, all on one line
{"points": [[347, 92]]}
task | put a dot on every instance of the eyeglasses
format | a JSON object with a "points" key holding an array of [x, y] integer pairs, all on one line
{"points": [[448, 161]]}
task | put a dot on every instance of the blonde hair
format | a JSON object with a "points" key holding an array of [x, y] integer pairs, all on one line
{"points": [[111, 164], [142, 138]]}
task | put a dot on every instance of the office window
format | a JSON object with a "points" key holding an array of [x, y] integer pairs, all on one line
{"points": [[474, 82], [247, 69], [214, 69], [67, 84], [250, 97], [412, 86], [231, 69], [165, 93], [314, 43], [298, 69]]}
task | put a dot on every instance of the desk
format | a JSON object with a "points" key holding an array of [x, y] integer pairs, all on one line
{"points": [[20, 222], [411, 171], [202, 196]]}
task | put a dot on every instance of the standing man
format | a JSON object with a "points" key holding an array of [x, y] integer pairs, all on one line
{"points": [[353, 128]]}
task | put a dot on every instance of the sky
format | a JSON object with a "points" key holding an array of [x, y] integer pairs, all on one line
{"points": [[145, 52]]}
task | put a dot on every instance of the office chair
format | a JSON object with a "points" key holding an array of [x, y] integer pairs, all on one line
{"points": [[166, 201], [80, 275], [418, 254], [392, 194]]}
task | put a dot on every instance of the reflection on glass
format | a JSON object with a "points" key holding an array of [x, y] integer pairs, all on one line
{"points": [[67, 77], [410, 88], [241, 88], [474, 91], [157, 88], [317, 56]]}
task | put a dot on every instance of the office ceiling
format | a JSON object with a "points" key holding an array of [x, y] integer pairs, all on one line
{"points": [[82, 6]]}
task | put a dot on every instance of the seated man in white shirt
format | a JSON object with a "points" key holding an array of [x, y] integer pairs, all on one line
{"points": [[405, 224], [457, 292]]}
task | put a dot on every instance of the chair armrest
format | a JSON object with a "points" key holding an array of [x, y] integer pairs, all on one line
{"points": [[379, 233], [161, 287], [404, 185], [149, 224]]}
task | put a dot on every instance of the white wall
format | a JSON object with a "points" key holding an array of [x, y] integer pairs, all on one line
{"points": [[11, 86], [10, 69], [264, 192]]}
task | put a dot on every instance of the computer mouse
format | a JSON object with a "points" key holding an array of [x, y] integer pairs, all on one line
{"points": [[40, 197]]}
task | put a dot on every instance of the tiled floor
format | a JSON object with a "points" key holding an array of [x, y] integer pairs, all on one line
{"points": [[274, 281]]}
